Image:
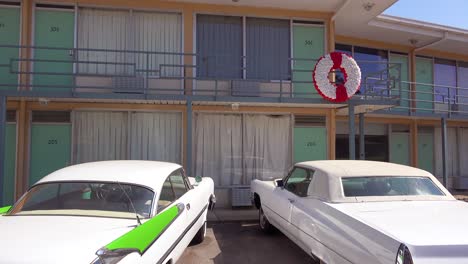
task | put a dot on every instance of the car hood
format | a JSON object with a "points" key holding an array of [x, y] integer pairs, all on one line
{"points": [[417, 223], [57, 239]]}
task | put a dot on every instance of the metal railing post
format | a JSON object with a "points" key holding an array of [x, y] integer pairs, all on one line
{"points": [[351, 138], [444, 151], [362, 146]]}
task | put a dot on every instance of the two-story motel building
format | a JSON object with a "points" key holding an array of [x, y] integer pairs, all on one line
{"points": [[224, 88]]}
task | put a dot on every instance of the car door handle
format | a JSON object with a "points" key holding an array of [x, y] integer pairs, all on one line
{"points": [[291, 200], [188, 206]]}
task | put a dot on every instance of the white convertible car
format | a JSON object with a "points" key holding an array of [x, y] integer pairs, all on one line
{"points": [[105, 213], [365, 212]]}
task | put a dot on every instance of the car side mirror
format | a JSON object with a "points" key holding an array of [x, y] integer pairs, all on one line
{"points": [[279, 183]]}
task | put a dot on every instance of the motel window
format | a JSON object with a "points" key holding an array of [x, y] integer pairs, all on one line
{"points": [[268, 49], [243, 48], [111, 42], [462, 97], [445, 74], [373, 64], [219, 46]]}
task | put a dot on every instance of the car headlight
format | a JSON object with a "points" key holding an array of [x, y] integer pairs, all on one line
{"points": [[106, 256], [403, 255]]}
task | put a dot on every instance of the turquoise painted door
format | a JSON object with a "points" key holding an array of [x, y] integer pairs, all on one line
{"points": [[426, 152], [308, 43], [50, 149], [310, 143], [400, 148], [53, 29], [9, 170], [402, 73], [424, 74], [9, 35]]}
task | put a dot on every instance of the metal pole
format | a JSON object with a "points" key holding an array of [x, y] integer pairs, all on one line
{"points": [[189, 138], [351, 139], [444, 151], [362, 146], [2, 143]]}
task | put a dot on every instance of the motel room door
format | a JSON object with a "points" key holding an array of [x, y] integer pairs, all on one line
{"points": [[50, 143], [310, 139], [54, 28], [308, 46], [10, 35]]}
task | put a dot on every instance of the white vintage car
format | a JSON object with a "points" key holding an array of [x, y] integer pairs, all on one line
{"points": [[105, 213], [365, 212]]}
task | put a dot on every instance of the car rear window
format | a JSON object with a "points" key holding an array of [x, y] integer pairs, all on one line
{"points": [[106, 199], [389, 186]]}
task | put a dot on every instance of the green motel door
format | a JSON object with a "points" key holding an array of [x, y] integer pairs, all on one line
{"points": [[50, 149], [9, 35], [310, 138], [53, 28], [308, 46]]}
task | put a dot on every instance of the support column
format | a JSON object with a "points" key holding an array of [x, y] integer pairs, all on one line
{"points": [[331, 129], [362, 146], [351, 125], [188, 143], [444, 151], [26, 35], [412, 60], [22, 149], [3, 106], [414, 143], [331, 35]]}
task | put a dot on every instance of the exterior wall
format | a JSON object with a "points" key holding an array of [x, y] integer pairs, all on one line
{"points": [[33, 26]]}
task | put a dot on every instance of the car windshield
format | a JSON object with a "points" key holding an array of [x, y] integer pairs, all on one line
{"points": [[389, 186], [102, 199]]}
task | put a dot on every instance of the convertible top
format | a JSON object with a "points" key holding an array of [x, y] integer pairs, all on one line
{"points": [[147, 173], [326, 183]]}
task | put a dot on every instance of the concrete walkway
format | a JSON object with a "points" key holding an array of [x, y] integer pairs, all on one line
{"points": [[235, 214]]}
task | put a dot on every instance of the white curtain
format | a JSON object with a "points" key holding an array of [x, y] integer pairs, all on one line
{"points": [[267, 146], [234, 149], [463, 150], [218, 148], [156, 136], [104, 29], [135, 31], [99, 136], [452, 152], [159, 32]]}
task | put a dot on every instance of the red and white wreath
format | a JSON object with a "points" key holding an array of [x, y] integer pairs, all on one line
{"points": [[337, 92]]}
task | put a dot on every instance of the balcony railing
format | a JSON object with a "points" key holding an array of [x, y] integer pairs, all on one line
{"points": [[125, 74]]}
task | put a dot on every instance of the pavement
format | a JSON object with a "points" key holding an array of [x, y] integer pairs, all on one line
{"points": [[233, 214], [243, 242]]}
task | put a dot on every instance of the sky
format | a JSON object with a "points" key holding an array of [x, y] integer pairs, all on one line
{"points": [[452, 13]]}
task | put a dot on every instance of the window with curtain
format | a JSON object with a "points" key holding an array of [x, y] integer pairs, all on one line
{"points": [[219, 46], [100, 135], [372, 62], [445, 74], [124, 31], [234, 149], [452, 152], [268, 49], [462, 82], [156, 136]]}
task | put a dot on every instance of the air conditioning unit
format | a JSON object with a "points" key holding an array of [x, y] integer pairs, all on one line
{"points": [[241, 196], [460, 183], [128, 84]]}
